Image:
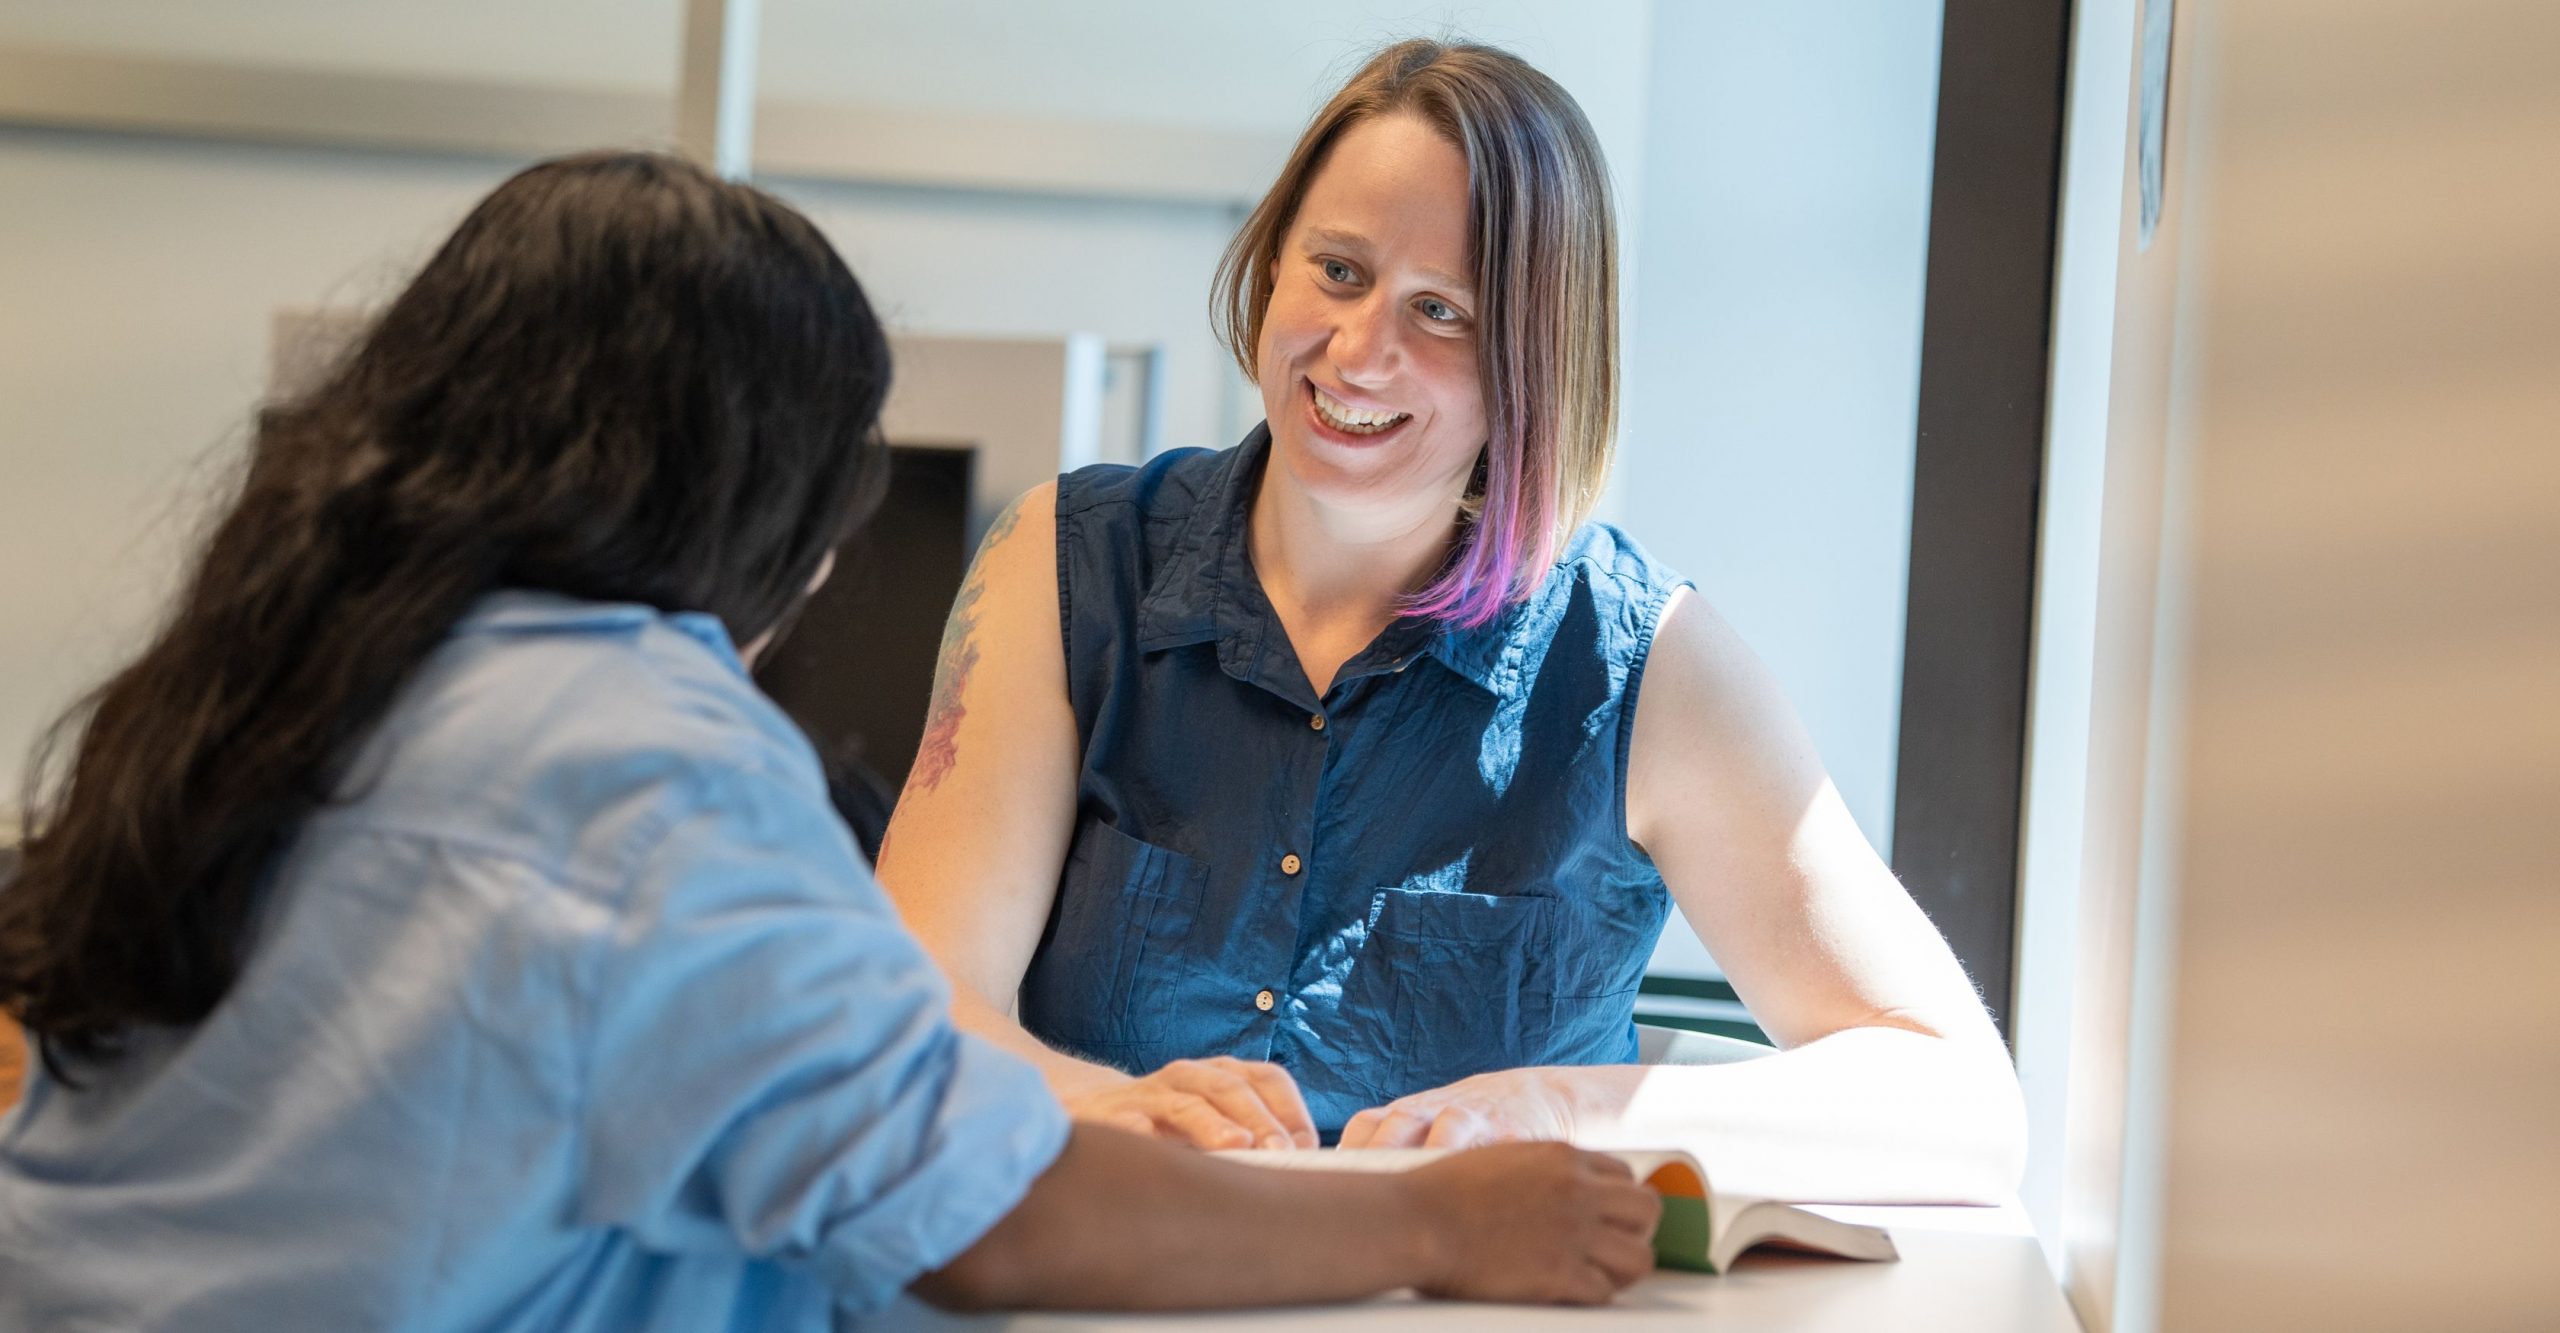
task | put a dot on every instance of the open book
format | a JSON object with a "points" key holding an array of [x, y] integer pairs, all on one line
{"points": [[1701, 1230]]}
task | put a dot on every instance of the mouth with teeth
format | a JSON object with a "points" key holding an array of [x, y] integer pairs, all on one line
{"points": [[1342, 419]]}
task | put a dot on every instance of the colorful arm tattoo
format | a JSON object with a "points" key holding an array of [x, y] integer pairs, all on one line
{"points": [[940, 749]]}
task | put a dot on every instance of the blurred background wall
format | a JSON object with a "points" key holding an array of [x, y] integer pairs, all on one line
{"points": [[2346, 1044], [2289, 1023], [1080, 168]]}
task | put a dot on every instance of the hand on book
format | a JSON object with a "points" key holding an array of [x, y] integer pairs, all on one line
{"points": [[1219, 1102], [1500, 1107], [1536, 1222]]}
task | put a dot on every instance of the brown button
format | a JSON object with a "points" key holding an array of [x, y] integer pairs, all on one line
{"points": [[1262, 1001], [1316, 722], [1290, 864]]}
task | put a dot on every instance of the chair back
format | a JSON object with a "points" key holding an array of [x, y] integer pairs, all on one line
{"points": [[1659, 1045]]}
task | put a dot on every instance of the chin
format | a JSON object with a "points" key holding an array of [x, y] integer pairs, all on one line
{"points": [[1343, 479]]}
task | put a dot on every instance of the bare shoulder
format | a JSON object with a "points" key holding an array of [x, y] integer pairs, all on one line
{"points": [[1700, 676], [973, 850], [1023, 536], [1012, 581], [1712, 723], [1002, 634], [1693, 639]]}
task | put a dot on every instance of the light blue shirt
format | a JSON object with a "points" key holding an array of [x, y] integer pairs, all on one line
{"points": [[578, 1011]]}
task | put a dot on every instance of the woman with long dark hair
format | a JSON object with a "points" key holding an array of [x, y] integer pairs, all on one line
{"points": [[434, 928]]}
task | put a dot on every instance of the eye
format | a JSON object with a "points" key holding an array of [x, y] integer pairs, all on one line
{"points": [[1337, 271], [1438, 311]]}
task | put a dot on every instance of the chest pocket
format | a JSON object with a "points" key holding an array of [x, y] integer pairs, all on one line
{"points": [[1452, 984], [1110, 973]]}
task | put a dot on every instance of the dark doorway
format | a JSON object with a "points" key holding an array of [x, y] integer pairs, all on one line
{"points": [[857, 671]]}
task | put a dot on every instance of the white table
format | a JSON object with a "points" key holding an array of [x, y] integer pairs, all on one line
{"points": [[1964, 1270]]}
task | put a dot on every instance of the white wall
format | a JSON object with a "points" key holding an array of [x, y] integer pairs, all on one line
{"points": [[140, 276], [2096, 158], [141, 273], [956, 261], [612, 43], [1225, 66], [1772, 375], [1771, 354]]}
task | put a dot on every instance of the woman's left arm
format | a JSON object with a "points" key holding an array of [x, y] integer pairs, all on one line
{"points": [[1891, 1085]]}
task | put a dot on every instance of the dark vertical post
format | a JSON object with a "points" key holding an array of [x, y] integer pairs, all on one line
{"points": [[1985, 335]]}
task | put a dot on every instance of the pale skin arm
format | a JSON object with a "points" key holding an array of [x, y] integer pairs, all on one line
{"points": [[972, 855], [1891, 1084]]}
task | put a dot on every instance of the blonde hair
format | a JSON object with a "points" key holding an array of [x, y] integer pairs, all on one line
{"points": [[1546, 276]]}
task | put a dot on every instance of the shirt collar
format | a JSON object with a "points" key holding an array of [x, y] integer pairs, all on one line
{"points": [[1488, 656], [1206, 590], [526, 611]]}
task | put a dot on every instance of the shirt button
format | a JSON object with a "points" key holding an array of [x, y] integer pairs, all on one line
{"points": [[1290, 864], [1315, 722], [1262, 1001]]}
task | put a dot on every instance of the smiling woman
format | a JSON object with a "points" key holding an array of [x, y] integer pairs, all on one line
{"points": [[1302, 791], [1366, 350], [1512, 285]]}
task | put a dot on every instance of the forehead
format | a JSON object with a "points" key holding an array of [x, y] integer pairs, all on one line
{"points": [[1395, 184]]}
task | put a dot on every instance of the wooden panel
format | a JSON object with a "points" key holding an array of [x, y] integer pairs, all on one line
{"points": [[2365, 1050], [13, 1062]]}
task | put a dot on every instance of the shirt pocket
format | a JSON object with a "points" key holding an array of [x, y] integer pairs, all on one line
{"points": [[1457, 980], [1111, 970]]}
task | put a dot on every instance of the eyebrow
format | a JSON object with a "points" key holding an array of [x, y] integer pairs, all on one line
{"points": [[1352, 240]]}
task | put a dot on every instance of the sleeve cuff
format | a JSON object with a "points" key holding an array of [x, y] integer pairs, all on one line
{"points": [[999, 1129]]}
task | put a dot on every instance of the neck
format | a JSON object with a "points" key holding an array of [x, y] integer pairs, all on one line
{"points": [[1324, 565]]}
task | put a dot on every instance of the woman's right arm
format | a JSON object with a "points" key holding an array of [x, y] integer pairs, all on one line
{"points": [[1121, 1223], [766, 1070], [973, 853]]}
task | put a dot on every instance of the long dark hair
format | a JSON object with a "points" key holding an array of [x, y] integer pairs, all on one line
{"points": [[621, 379]]}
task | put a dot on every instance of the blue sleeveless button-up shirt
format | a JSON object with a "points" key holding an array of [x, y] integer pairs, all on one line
{"points": [[1421, 875]]}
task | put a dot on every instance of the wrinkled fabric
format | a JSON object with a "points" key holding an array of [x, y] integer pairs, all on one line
{"points": [[576, 1010], [1465, 896]]}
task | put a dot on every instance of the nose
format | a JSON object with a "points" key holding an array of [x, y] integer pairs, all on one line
{"points": [[1366, 348]]}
